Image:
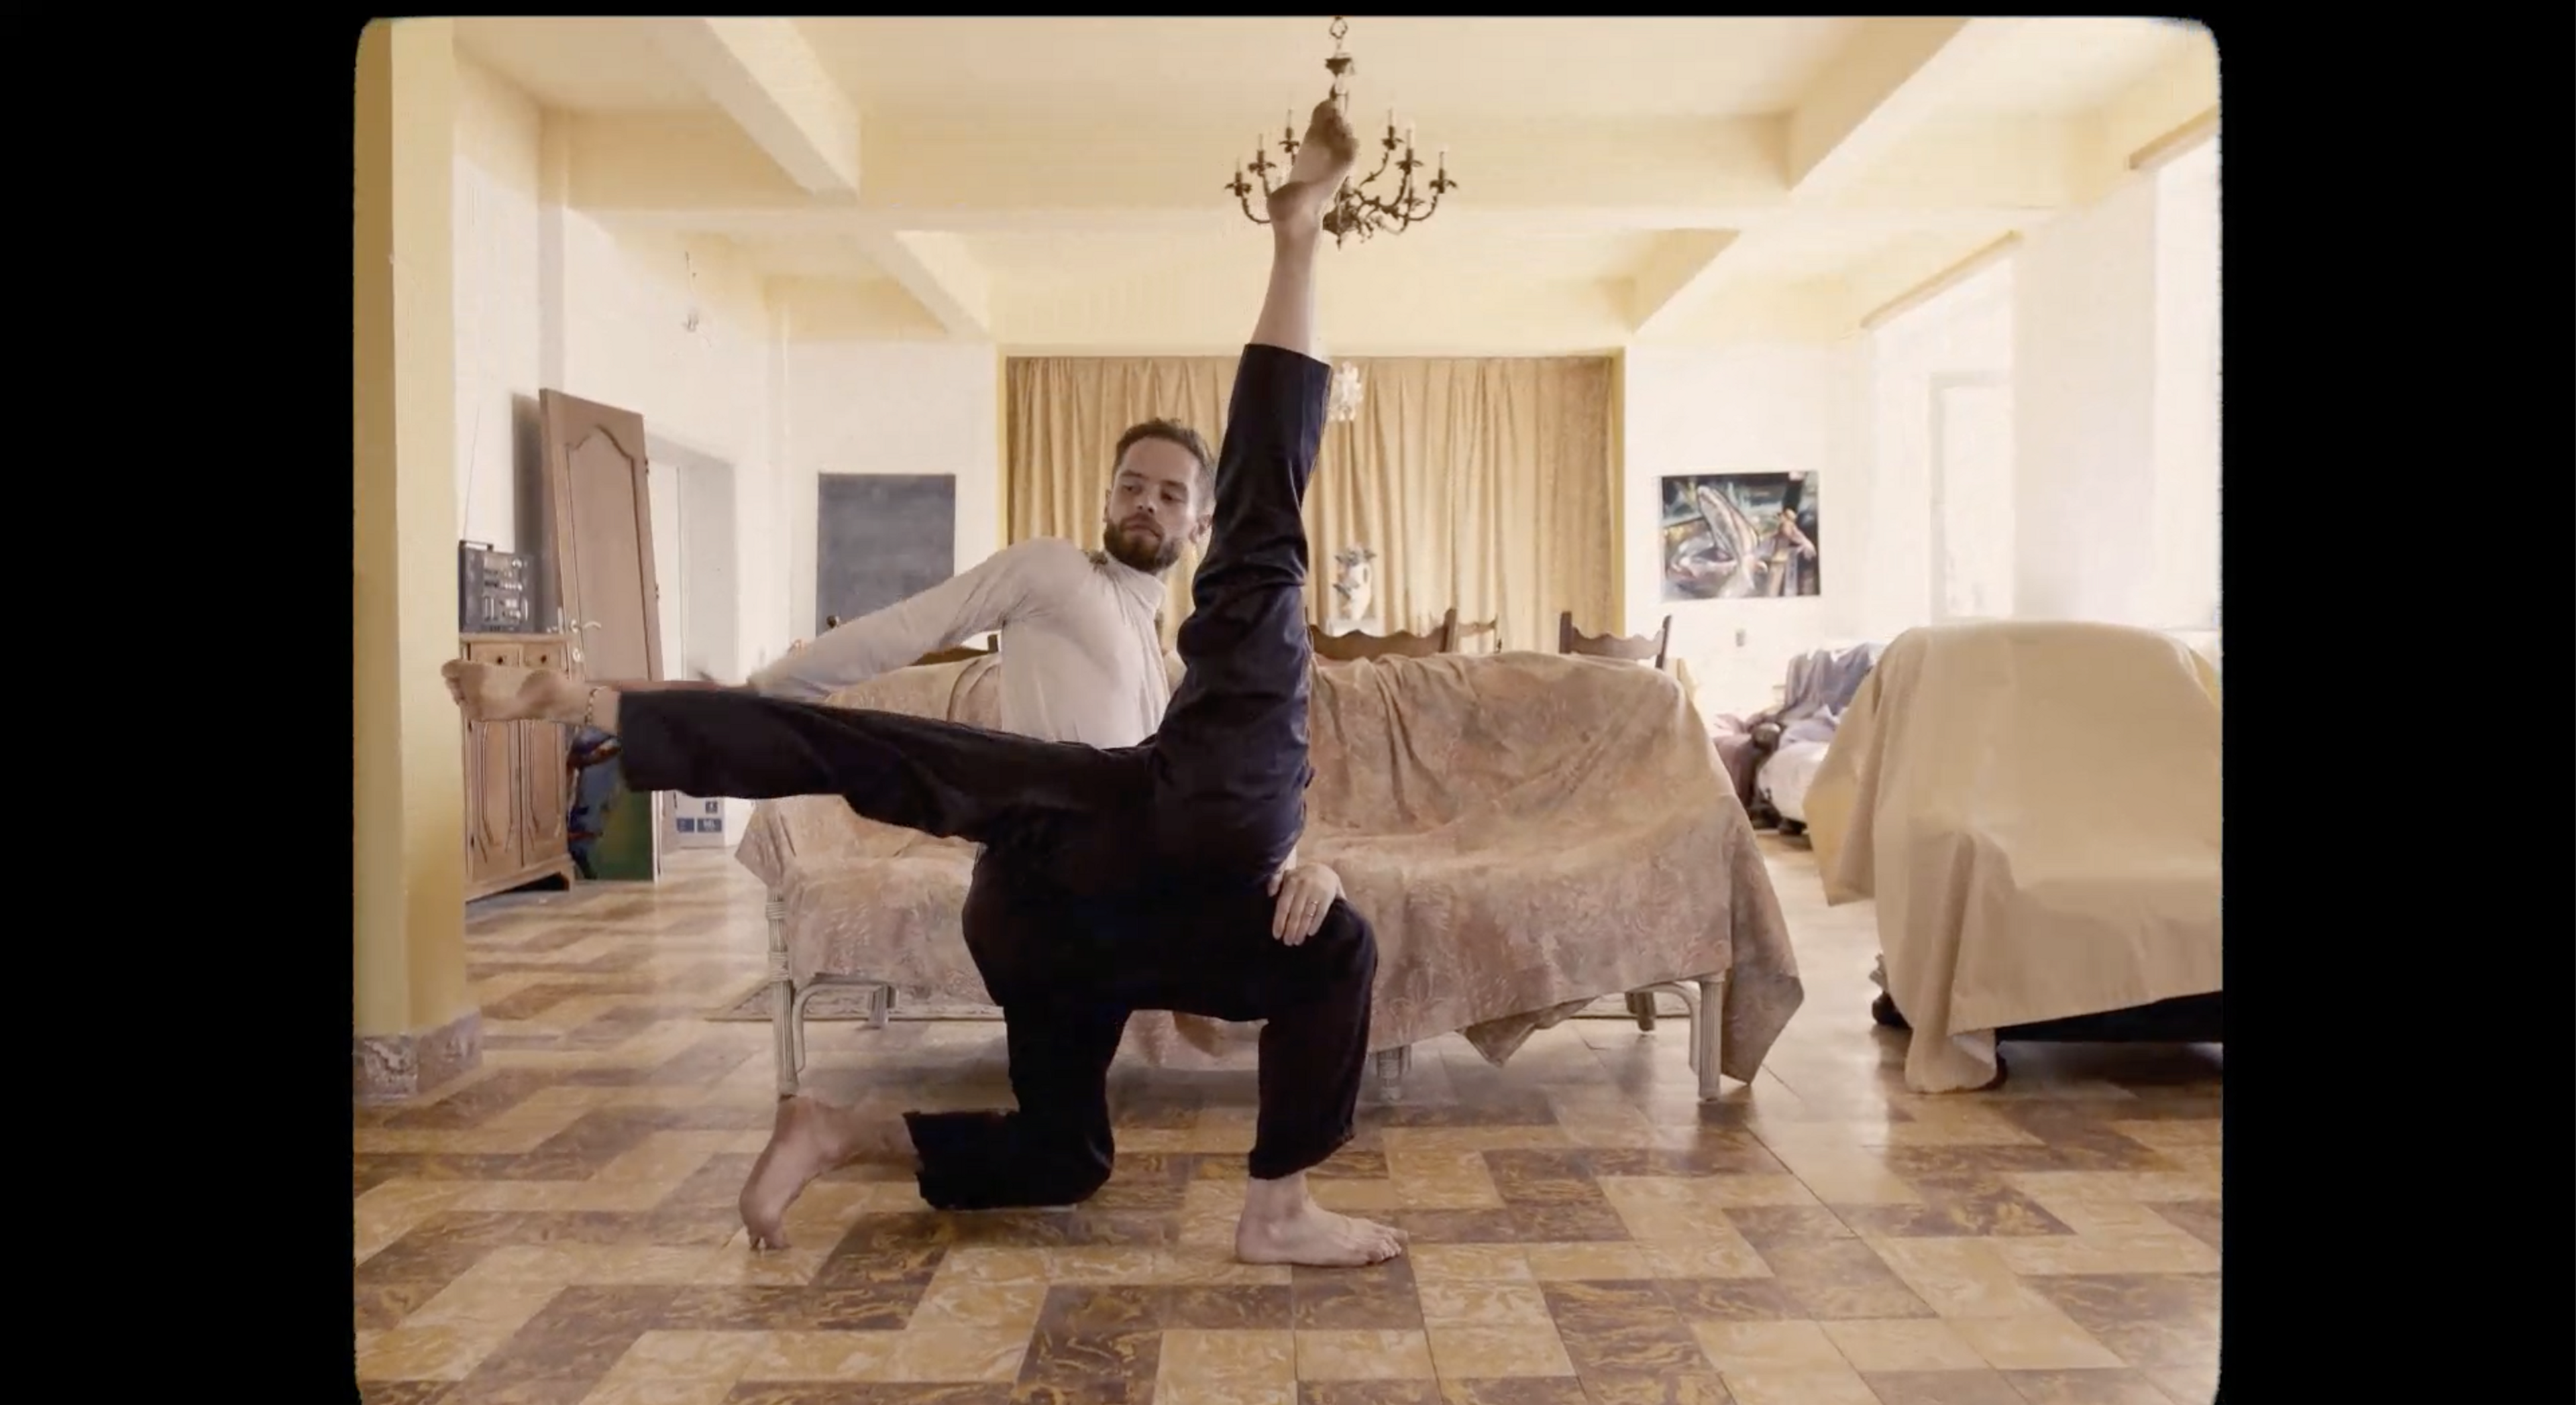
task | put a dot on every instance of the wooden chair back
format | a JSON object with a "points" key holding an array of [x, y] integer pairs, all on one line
{"points": [[1642, 647], [1342, 648]]}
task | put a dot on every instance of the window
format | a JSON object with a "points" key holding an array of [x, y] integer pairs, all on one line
{"points": [[1942, 486]]}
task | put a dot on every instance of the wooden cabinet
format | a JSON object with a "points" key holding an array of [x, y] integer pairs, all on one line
{"points": [[516, 790]]}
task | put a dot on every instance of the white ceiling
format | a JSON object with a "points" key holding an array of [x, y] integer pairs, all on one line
{"points": [[1056, 181], [581, 65], [1219, 69], [2067, 66]]}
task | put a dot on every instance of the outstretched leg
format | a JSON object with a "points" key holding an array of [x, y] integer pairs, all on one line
{"points": [[941, 778], [1229, 762]]}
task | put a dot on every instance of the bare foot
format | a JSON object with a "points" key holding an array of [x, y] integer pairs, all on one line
{"points": [[1323, 161], [807, 1139], [490, 692], [1315, 1236]]}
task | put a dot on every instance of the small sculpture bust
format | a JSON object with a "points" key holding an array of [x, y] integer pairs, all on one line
{"points": [[1354, 582]]}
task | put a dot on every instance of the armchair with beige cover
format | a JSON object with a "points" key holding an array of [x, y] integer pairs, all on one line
{"points": [[1527, 833], [2034, 806]]}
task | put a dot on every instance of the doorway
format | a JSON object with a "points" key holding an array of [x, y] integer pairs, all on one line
{"points": [[693, 532], [694, 544]]}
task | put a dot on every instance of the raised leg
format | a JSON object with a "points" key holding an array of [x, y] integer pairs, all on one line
{"points": [[1229, 763], [941, 778]]}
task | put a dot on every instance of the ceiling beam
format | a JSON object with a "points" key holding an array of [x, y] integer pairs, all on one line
{"points": [[940, 274], [1672, 274], [1887, 82], [2157, 111], [695, 171], [765, 77]]}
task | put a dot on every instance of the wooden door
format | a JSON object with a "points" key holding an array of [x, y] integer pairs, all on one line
{"points": [[599, 521]]}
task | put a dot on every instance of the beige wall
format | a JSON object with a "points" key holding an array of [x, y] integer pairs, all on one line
{"points": [[408, 805]]}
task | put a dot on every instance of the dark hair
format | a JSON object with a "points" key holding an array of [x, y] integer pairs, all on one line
{"points": [[1176, 433]]}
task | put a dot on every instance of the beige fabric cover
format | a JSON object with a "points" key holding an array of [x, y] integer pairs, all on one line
{"points": [[2034, 805], [1527, 832]]}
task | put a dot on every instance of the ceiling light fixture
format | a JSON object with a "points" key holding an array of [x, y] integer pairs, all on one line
{"points": [[1344, 404], [1354, 210]]}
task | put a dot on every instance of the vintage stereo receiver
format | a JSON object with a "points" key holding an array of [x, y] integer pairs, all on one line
{"points": [[494, 590]]}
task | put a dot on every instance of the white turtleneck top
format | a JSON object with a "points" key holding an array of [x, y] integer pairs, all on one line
{"points": [[1085, 661]]}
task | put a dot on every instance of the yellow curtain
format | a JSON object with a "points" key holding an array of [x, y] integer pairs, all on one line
{"points": [[1481, 483]]}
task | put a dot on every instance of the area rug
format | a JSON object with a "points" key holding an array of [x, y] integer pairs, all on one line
{"points": [[835, 1004]]}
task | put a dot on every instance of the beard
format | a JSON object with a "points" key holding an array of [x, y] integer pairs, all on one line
{"points": [[1139, 550]]}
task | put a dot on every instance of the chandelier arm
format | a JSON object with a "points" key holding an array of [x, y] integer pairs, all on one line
{"points": [[1352, 208], [1396, 209], [1371, 177]]}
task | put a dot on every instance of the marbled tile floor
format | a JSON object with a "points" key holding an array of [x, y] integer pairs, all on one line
{"points": [[558, 1227]]}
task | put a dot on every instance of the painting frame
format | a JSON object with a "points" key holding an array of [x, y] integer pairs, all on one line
{"points": [[1739, 535]]}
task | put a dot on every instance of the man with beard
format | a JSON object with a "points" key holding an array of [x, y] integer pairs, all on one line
{"points": [[1080, 630], [1145, 877], [1079, 626]]}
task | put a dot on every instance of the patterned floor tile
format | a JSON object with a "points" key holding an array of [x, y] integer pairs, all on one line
{"points": [[559, 1225]]}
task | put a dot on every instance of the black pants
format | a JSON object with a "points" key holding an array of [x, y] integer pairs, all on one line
{"points": [[1112, 880]]}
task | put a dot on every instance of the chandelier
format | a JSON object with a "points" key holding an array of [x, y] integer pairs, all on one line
{"points": [[1355, 210], [1344, 406]]}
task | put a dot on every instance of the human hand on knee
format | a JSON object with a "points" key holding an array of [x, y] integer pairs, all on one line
{"points": [[1305, 892]]}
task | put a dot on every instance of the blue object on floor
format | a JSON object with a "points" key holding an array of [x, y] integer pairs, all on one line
{"points": [[592, 758]]}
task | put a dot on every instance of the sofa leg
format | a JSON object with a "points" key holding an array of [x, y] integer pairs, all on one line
{"points": [[1392, 1064], [880, 1007], [1708, 1020], [1641, 1003], [783, 1005], [1705, 999]]}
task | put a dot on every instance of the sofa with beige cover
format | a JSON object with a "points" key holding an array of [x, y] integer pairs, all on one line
{"points": [[2033, 807], [1527, 832]]}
